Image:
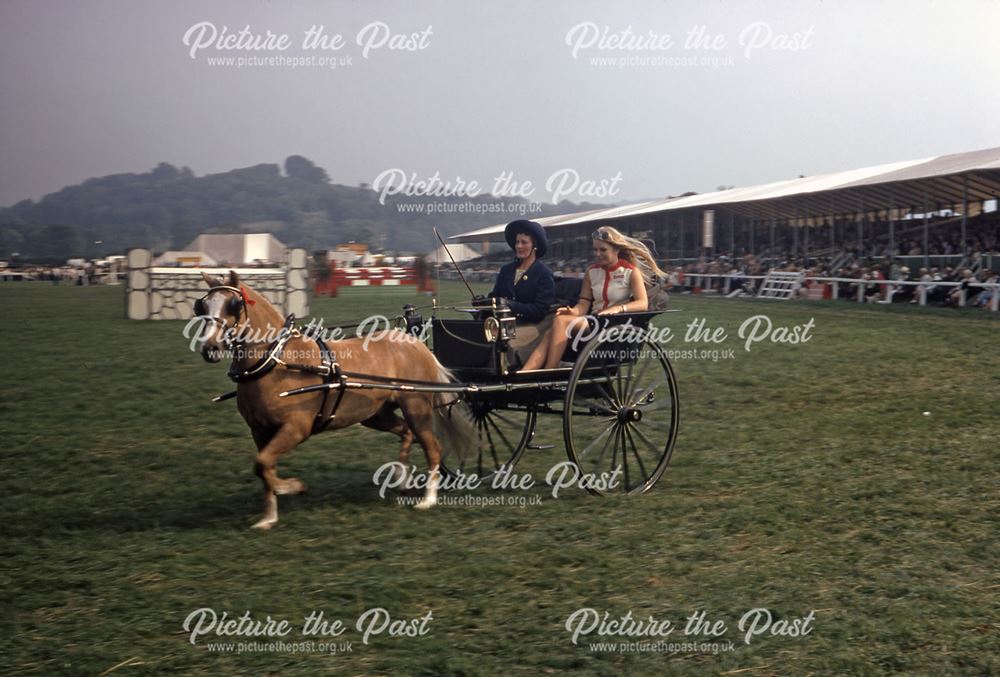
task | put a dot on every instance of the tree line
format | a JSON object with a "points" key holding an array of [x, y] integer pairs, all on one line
{"points": [[168, 207]]}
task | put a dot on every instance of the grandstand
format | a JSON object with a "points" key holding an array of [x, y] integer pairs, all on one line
{"points": [[816, 213], [898, 218]]}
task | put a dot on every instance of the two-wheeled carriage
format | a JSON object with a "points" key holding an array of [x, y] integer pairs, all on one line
{"points": [[616, 396]]}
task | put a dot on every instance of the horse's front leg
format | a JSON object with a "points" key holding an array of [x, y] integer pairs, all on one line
{"points": [[266, 467]]}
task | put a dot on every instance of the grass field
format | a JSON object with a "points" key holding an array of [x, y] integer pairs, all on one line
{"points": [[806, 479]]}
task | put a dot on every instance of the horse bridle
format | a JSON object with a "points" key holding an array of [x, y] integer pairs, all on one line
{"points": [[234, 306]]}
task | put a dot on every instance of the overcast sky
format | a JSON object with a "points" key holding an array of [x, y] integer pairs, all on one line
{"points": [[611, 91]]}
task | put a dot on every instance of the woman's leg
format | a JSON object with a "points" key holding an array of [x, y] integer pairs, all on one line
{"points": [[562, 328], [537, 357]]}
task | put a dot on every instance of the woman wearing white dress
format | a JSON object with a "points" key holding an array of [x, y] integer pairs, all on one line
{"points": [[615, 283]]}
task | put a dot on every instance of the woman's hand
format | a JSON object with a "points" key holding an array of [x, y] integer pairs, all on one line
{"points": [[614, 310], [564, 310]]}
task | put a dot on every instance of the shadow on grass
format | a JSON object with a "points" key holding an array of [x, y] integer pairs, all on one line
{"points": [[237, 508]]}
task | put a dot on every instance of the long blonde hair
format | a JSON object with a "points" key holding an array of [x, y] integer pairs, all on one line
{"points": [[631, 250]]}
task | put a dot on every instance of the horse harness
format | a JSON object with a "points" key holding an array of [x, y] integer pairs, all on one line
{"points": [[328, 368]]}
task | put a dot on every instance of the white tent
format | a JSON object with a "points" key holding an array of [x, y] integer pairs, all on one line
{"points": [[460, 252], [185, 258], [240, 248]]}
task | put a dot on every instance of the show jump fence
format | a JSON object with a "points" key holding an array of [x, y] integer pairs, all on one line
{"points": [[383, 276], [170, 293]]}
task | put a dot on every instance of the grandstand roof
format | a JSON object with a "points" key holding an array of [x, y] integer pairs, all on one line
{"points": [[938, 180]]}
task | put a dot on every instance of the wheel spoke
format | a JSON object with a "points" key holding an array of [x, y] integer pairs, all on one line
{"points": [[606, 388], [502, 418], [635, 451], [646, 392], [510, 446], [652, 447], [658, 404], [489, 441], [643, 369], [614, 450], [587, 403], [621, 435], [589, 408], [627, 387], [604, 449], [597, 439]]}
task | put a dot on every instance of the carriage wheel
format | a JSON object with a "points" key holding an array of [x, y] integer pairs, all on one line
{"points": [[621, 415], [503, 435]]}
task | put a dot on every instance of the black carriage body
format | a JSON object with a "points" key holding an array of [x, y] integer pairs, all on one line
{"points": [[462, 347], [617, 398]]}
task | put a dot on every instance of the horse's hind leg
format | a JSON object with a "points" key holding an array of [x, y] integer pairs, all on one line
{"points": [[419, 415], [387, 421], [270, 449]]}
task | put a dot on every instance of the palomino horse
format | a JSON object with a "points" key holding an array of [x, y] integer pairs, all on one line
{"points": [[270, 357]]}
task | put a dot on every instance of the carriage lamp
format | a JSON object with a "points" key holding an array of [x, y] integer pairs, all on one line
{"points": [[501, 324], [491, 329], [507, 322], [414, 322]]}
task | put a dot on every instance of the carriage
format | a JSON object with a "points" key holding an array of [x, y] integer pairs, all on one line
{"points": [[616, 395]]}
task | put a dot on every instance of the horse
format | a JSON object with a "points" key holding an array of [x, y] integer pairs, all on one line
{"points": [[240, 319]]}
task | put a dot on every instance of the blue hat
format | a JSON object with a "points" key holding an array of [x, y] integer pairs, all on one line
{"points": [[531, 228]]}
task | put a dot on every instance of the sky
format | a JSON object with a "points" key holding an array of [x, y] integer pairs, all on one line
{"points": [[601, 101]]}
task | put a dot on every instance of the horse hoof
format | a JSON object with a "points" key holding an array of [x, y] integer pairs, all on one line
{"points": [[424, 505], [265, 524]]}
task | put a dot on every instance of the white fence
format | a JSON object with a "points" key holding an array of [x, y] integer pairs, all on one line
{"points": [[170, 293], [703, 282]]}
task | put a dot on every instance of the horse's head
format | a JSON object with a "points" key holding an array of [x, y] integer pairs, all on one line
{"points": [[222, 308]]}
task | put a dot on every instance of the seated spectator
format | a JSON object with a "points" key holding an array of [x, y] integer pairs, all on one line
{"points": [[986, 294], [967, 280]]}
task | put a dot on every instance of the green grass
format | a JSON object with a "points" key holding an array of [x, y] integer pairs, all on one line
{"points": [[805, 478]]}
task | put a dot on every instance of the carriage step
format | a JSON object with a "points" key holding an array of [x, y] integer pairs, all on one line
{"points": [[540, 446]]}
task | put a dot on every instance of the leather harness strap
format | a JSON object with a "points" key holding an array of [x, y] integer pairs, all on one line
{"points": [[270, 360], [328, 368], [328, 409]]}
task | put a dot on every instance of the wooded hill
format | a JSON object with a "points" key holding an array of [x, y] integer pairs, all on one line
{"points": [[168, 207]]}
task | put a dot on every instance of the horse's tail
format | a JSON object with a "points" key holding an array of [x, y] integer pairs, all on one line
{"points": [[452, 424]]}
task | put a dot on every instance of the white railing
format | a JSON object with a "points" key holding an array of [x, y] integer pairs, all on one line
{"points": [[703, 280]]}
